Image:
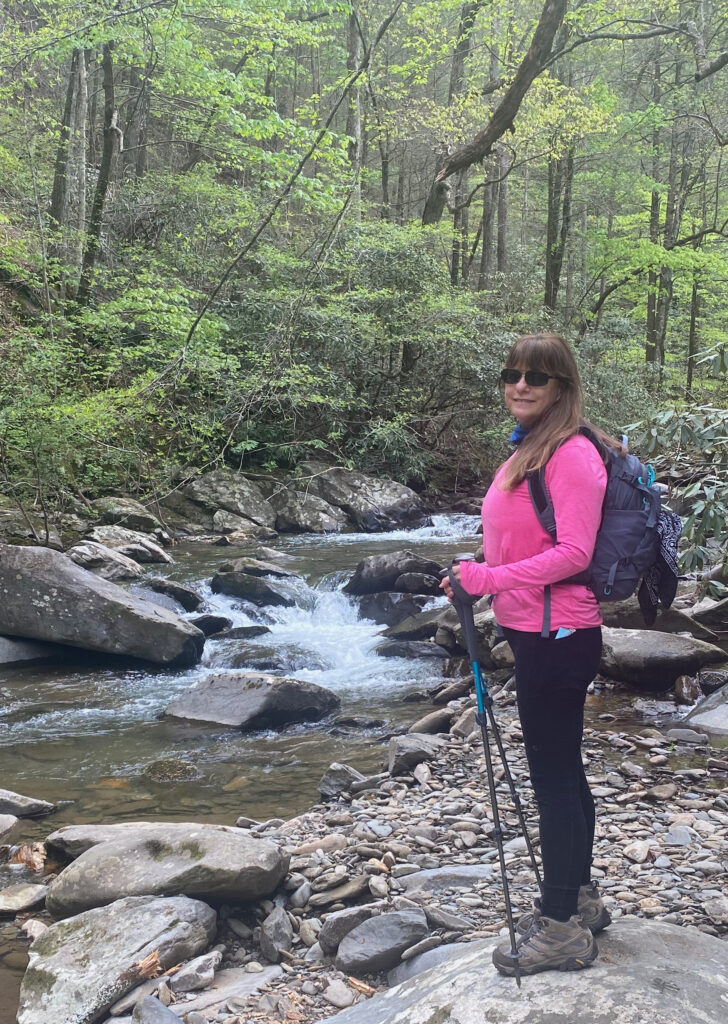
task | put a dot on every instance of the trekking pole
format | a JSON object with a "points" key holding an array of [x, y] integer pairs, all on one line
{"points": [[463, 604]]}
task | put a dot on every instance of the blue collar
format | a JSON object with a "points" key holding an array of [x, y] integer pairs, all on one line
{"points": [[519, 432]]}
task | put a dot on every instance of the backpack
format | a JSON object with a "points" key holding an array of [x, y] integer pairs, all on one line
{"points": [[629, 537]]}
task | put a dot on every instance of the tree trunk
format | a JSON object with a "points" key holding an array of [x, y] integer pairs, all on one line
{"points": [[561, 174], [61, 178], [353, 116], [79, 159], [502, 245], [692, 337], [486, 253], [111, 141]]}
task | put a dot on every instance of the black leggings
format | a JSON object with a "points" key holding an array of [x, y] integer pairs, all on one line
{"points": [[552, 677]]}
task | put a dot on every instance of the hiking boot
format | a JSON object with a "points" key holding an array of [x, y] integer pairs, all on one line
{"points": [[549, 945], [590, 909]]}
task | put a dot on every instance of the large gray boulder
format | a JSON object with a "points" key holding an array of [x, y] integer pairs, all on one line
{"points": [[715, 617], [628, 615], [299, 512], [421, 626], [73, 840], [388, 609], [652, 661], [127, 512], [81, 966], [135, 545], [14, 652], [379, 572], [253, 700], [256, 589], [237, 529], [232, 492], [710, 714], [105, 562], [406, 752], [214, 865], [646, 971], [23, 806], [378, 943], [373, 503], [7, 824], [45, 596]]}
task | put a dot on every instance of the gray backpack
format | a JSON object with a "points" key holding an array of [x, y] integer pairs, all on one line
{"points": [[628, 541]]}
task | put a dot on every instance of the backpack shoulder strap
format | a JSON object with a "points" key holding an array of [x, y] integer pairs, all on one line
{"points": [[541, 501]]}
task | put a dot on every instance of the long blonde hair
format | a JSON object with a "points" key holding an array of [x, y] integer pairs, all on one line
{"points": [[550, 354]]}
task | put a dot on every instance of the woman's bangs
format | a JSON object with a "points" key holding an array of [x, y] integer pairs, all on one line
{"points": [[534, 352]]}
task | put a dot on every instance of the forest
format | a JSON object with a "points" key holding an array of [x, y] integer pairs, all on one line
{"points": [[252, 232]]}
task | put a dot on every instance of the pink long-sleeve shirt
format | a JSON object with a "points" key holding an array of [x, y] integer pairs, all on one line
{"points": [[520, 557]]}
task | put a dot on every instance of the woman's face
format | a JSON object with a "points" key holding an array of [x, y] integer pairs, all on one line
{"points": [[528, 404]]}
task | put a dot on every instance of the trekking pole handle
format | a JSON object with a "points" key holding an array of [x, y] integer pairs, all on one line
{"points": [[463, 603]]}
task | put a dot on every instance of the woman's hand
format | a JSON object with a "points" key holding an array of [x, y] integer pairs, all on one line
{"points": [[445, 583]]}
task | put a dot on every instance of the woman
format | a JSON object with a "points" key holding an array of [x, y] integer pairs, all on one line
{"points": [[543, 391]]}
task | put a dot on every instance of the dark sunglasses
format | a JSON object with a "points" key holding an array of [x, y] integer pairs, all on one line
{"points": [[534, 378]]}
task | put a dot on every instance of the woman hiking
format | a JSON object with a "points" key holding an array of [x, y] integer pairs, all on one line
{"points": [[543, 391]]}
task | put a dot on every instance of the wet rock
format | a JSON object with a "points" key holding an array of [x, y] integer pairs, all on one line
{"points": [[298, 512], [389, 609], [434, 722], [421, 626], [715, 617], [172, 769], [238, 530], [211, 625], [711, 714], [90, 961], [686, 736], [104, 561], [73, 840], [407, 751], [150, 1011], [16, 898], [337, 780], [411, 649], [45, 596], [379, 572], [255, 589], [649, 660], [628, 615], [246, 632], [276, 934], [198, 973], [372, 503], [15, 652], [186, 596], [250, 700], [23, 806], [687, 690], [258, 567], [135, 545], [418, 583], [126, 512], [377, 944], [7, 823], [232, 492], [712, 679], [219, 866]]}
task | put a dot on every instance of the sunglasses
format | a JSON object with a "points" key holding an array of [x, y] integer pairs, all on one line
{"points": [[534, 378]]}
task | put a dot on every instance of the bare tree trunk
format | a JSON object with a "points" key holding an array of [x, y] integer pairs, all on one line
{"points": [[61, 182], [559, 223], [486, 252], [79, 161], [399, 201], [353, 115], [502, 245], [111, 141]]}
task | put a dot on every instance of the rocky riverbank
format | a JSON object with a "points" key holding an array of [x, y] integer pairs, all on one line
{"points": [[351, 894]]}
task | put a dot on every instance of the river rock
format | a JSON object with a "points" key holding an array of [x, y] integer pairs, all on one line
{"points": [[711, 714], [276, 934], [186, 596], [486, 629], [131, 543], [379, 572], [642, 974], [45, 596], [251, 588], [389, 609], [455, 876], [232, 492], [411, 649], [340, 923], [81, 966], [7, 823], [405, 752], [126, 512], [418, 583], [687, 690], [150, 1011], [23, 806], [298, 512], [238, 530], [212, 625], [253, 700], [421, 626], [15, 652], [337, 780], [208, 863], [627, 614], [16, 898], [377, 944], [233, 983], [73, 840], [434, 722], [715, 617], [373, 503], [105, 562], [198, 973], [652, 661], [712, 679]]}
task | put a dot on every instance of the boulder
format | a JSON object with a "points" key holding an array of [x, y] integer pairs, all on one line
{"points": [[237, 529], [15, 652], [628, 615], [711, 714], [135, 545], [418, 583], [299, 512], [715, 617], [642, 974], [186, 596], [340, 923], [411, 649], [378, 943], [421, 626], [251, 588], [276, 934], [214, 865], [434, 722], [258, 567], [253, 700], [79, 967], [246, 632], [487, 629], [23, 806], [7, 824], [406, 752], [149, 1010], [104, 561], [73, 840], [232, 492], [337, 780], [112, 511], [373, 503], [652, 661], [185, 516], [198, 973], [233, 984], [379, 572], [24, 527], [389, 609], [46, 596], [24, 896], [211, 624], [455, 876], [712, 680]]}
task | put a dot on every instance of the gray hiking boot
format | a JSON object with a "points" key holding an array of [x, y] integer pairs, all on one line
{"points": [[590, 909], [549, 945]]}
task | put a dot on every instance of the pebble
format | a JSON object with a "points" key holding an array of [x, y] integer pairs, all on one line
{"points": [[338, 994]]}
